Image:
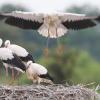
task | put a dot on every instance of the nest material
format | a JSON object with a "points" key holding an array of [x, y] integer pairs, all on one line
{"points": [[50, 92]]}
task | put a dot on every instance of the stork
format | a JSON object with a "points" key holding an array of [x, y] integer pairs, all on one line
{"points": [[36, 70], [38, 73], [21, 52], [11, 59], [50, 25]]}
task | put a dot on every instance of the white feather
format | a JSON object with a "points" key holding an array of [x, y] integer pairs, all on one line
{"points": [[6, 54], [37, 69], [72, 17], [26, 15], [1, 41], [18, 50]]}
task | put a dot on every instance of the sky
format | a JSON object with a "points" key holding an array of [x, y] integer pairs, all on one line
{"points": [[50, 5]]}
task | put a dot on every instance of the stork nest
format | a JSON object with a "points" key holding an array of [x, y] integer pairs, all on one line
{"points": [[50, 92]]}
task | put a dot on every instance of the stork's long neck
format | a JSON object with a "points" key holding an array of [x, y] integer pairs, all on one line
{"points": [[1, 43]]}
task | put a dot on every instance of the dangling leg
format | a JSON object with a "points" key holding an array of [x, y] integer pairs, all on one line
{"points": [[48, 39], [60, 47], [46, 51], [57, 38]]}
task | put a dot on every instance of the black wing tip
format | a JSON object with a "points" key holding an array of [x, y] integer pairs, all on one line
{"points": [[2, 16], [79, 24], [98, 19], [47, 76], [23, 23], [29, 57]]}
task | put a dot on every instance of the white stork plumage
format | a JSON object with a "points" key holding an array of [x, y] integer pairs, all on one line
{"points": [[21, 52], [37, 73], [11, 59], [51, 25]]}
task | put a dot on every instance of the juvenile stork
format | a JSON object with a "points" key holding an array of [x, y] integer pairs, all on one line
{"points": [[50, 25], [38, 73], [21, 52], [11, 59]]}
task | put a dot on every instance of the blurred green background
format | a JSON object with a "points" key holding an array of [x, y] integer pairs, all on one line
{"points": [[73, 58]]}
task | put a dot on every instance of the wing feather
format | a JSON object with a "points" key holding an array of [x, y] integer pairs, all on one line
{"points": [[25, 20], [77, 21]]}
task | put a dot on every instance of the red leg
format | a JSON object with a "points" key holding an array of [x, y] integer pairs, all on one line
{"points": [[6, 68], [12, 73]]}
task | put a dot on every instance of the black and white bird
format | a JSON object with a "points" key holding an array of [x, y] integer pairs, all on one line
{"points": [[21, 52], [11, 59], [50, 25], [38, 73]]}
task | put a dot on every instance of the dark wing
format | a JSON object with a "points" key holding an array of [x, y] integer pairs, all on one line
{"points": [[47, 76], [16, 62], [24, 20], [27, 58], [77, 21], [98, 19]]}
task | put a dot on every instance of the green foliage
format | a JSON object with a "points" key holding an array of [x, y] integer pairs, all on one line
{"points": [[23, 80], [65, 65], [87, 39], [72, 66]]}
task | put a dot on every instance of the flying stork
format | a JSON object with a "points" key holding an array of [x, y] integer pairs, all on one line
{"points": [[50, 25], [11, 59], [38, 73]]}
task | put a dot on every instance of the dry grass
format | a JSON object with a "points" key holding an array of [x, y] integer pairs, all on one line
{"points": [[50, 92]]}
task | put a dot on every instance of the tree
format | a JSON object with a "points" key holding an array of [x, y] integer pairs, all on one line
{"points": [[87, 39]]}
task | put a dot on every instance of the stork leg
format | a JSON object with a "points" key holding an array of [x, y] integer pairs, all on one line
{"points": [[39, 81], [48, 39], [6, 69], [12, 70], [46, 51], [0, 71], [17, 75], [57, 38]]}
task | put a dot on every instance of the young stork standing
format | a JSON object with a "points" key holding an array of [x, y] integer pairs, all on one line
{"points": [[38, 73], [34, 71], [11, 59], [22, 53]]}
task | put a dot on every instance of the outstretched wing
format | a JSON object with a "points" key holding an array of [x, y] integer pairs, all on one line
{"points": [[24, 20], [77, 21], [98, 19]]}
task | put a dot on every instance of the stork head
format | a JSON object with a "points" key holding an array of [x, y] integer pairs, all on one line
{"points": [[7, 43], [1, 41], [28, 64]]}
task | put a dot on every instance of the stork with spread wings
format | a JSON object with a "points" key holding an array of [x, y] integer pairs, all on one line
{"points": [[50, 25]]}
